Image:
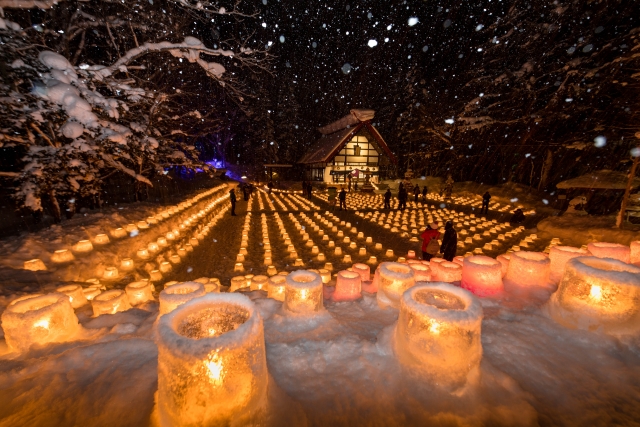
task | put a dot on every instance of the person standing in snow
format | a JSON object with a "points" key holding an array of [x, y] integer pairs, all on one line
{"points": [[449, 242], [416, 193], [342, 196], [485, 203], [232, 197], [424, 194], [309, 190], [387, 199], [430, 245], [402, 197]]}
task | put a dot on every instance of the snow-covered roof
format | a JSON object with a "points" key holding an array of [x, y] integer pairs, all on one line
{"points": [[354, 117], [325, 148], [602, 179]]}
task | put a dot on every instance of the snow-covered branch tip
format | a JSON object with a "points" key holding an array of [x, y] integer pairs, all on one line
{"points": [[213, 8]]}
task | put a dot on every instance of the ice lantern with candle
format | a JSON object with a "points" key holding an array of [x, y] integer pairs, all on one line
{"points": [[610, 250], [482, 275], [394, 279], [348, 286], [175, 295], [39, 320], [438, 333], [598, 293], [212, 367], [559, 256], [528, 269], [303, 292]]}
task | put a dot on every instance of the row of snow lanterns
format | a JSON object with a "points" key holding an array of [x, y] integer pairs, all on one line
{"points": [[212, 356], [182, 247], [83, 247]]}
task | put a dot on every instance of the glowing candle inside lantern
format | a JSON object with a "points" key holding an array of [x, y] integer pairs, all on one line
{"points": [[559, 256], [153, 247], [598, 294], [446, 271], [527, 269], [39, 320], [394, 279], [303, 292], [139, 292], [119, 233], [34, 265], [75, 294], [178, 294], [162, 241], [212, 366], [126, 264], [110, 302], [421, 272], [348, 286], [259, 283], [438, 333], [482, 275], [610, 250]]}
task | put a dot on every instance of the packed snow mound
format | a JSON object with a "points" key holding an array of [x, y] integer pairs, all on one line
{"points": [[54, 60], [72, 129]]}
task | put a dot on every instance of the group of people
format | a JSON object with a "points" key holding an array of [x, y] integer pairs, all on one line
{"points": [[431, 245], [403, 195]]}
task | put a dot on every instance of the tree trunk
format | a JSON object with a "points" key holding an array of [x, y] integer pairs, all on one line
{"points": [[627, 191], [546, 167], [57, 214]]}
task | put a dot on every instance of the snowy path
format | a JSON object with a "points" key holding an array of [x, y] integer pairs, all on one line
{"points": [[336, 369]]}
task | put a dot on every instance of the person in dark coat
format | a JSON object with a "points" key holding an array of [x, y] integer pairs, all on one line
{"points": [[416, 193], [424, 194], [309, 190], [485, 202], [402, 197], [342, 197], [518, 217], [232, 197], [387, 199], [304, 188], [449, 242]]}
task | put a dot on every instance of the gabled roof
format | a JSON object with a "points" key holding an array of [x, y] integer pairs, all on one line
{"points": [[329, 145]]}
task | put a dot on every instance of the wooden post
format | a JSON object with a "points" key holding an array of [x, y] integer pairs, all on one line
{"points": [[627, 191]]}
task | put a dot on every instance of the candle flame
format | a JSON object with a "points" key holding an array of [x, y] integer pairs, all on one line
{"points": [[303, 294], [42, 323], [434, 328], [596, 292], [215, 371]]}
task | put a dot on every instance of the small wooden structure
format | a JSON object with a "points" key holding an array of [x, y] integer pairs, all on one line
{"points": [[349, 148]]}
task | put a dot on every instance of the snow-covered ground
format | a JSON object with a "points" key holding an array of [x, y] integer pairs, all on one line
{"points": [[336, 368]]}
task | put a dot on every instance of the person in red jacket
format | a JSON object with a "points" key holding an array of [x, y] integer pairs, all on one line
{"points": [[430, 245]]}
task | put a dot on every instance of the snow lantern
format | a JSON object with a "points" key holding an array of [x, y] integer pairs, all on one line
{"points": [[143, 253], [276, 285], [178, 294], [34, 265], [394, 279], [482, 275], [126, 264], [165, 267], [610, 250], [635, 252], [325, 275], [272, 270], [212, 367], [213, 285], [238, 282], [438, 332], [348, 286], [110, 302], [362, 269], [528, 269], [83, 247], [101, 239], [598, 294], [559, 256], [446, 271], [110, 273], [91, 292], [39, 320], [139, 292], [421, 272], [156, 275], [504, 262], [75, 294], [62, 256], [259, 283], [303, 292]]}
